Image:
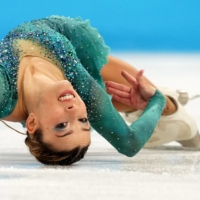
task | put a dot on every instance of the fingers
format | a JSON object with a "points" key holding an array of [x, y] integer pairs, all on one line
{"points": [[139, 75], [130, 79], [122, 100], [117, 92], [117, 86], [135, 82], [140, 79]]}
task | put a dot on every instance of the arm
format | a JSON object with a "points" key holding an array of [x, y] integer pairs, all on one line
{"points": [[129, 140], [126, 139]]}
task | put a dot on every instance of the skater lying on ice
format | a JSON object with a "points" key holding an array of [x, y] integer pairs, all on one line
{"points": [[57, 77]]}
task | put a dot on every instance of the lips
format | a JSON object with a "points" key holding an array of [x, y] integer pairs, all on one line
{"points": [[67, 95]]}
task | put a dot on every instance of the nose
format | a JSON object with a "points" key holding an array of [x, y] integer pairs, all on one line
{"points": [[71, 108]]}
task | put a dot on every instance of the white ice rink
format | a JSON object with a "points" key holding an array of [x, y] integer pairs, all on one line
{"points": [[172, 174]]}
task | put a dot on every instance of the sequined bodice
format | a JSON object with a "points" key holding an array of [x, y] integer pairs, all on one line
{"points": [[71, 44], [79, 51]]}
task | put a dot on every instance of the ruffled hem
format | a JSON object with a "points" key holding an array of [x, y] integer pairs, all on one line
{"points": [[88, 43]]}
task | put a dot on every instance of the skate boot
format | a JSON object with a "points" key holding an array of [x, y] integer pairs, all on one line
{"points": [[179, 126]]}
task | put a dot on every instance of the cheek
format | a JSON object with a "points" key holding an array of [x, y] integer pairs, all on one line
{"points": [[83, 108], [51, 110], [49, 115]]}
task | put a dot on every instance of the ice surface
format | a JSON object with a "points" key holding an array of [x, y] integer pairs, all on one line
{"points": [[104, 173]]}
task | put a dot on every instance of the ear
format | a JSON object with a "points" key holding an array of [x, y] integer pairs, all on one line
{"points": [[31, 123]]}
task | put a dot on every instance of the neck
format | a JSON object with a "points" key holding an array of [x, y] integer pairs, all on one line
{"points": [[36, 75]]}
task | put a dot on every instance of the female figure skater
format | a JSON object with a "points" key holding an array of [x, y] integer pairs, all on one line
{"points": [[52, 74]]}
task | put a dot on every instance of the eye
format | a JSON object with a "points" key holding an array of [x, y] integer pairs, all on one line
{"points": [[83, 120], [61, 126]]}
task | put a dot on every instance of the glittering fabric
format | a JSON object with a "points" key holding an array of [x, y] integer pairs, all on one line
{"points": [[79, 52], [68, 43]]}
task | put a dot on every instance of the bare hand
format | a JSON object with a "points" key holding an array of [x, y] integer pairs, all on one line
{"points": [[137, 95]]}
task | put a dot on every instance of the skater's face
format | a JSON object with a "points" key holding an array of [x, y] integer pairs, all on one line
{"points": [[61, 115]]}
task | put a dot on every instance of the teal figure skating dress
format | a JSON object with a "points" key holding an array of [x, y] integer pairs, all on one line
{"points": [[79, 51]]}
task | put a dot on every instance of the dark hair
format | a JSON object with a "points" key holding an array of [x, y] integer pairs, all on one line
{"points": [[45, 154]]}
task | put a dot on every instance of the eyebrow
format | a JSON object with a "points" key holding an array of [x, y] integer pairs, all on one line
{"points": [[70, 132]]}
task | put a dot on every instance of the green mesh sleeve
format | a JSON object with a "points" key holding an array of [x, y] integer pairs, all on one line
{"points": [[128, 140]]}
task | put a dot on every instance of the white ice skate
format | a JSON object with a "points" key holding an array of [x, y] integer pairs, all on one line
{"points": [[179, 126]]}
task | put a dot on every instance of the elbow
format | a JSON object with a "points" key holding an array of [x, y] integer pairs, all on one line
{"points": [[130, 153], [130, 150]]}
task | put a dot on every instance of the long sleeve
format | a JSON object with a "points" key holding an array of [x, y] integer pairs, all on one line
{"points": [[7, 98], [128, 140]]}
